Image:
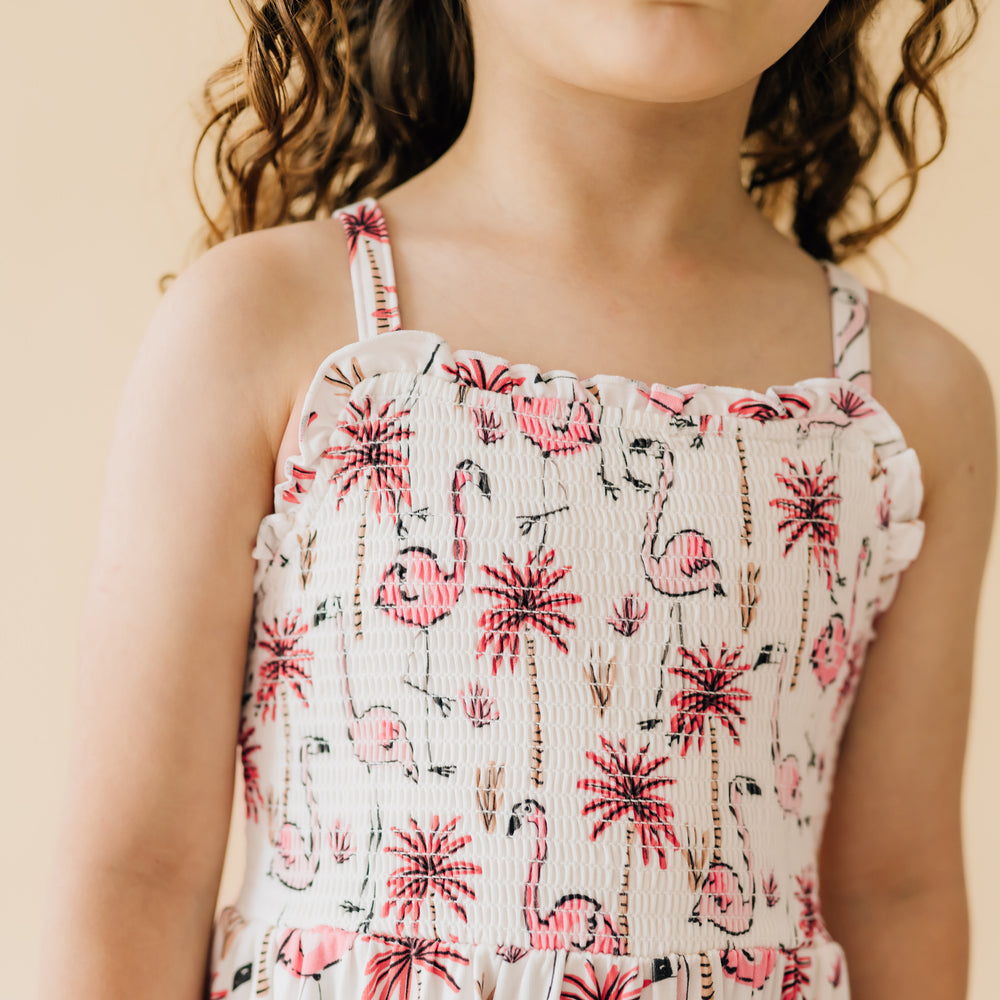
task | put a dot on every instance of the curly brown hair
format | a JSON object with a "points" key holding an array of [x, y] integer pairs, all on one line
{"points": [[319, 111]]}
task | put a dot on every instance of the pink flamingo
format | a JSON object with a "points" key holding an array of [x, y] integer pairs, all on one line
{"points": [[377, 736], [306, 951], [722, 900], [556, 426], [687, 564], [576, 922], [849, 332], [297, 860], [787, 778], [752, 966], [416, 590]]}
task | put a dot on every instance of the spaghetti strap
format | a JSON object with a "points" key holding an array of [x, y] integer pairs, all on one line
{"points": [[850, 326], [372, 274]]}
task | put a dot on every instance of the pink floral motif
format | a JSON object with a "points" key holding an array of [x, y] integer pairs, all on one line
{"points": [[772, 891], [341, 843], [479, 705], [488, 425], [626, 621]]}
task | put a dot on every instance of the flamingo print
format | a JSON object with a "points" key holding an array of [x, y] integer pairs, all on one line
{"points": [[722, 900], [555, 426], [576, 922], [787, 777], [845, 335], [687, 564], [306, 951], [752, 966], [377, 735], [297, 860], [416, 590]]}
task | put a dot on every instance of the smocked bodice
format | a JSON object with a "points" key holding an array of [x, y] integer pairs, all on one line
{"points": [[548, 675]]}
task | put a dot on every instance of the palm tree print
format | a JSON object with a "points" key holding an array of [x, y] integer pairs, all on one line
{"points": [[372, 455], [711, 695], [366, 221], [391, 972], [628, 791], [429, 868], [251, 775], [525, 598], [368, 225], [809, 516], [285, 669], [617, 985], [473, 373]]}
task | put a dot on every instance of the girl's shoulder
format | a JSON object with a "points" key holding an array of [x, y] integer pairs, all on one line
{"points": [[936, 387]]}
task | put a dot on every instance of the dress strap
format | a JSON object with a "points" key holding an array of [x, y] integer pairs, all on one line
{"points": [[851, 334], [372, 274]]}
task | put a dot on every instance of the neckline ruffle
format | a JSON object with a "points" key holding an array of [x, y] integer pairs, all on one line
{"points": [[480, 377]]}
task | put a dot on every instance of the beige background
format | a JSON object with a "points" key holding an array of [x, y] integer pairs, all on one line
{"points": [[98, 135]]}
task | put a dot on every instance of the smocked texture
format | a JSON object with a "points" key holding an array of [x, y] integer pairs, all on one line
{"points": [[548, 674]]}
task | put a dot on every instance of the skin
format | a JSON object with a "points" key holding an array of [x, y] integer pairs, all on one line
{"points": [[601, 149]]}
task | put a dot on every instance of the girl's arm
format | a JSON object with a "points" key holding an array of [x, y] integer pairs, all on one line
{"points": [[144, 827], [892, 880]]}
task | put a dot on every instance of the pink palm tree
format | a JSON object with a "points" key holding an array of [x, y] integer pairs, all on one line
{"points": [[251, 774], [809, 516], [371, 455], [283, 671], [618, 984], [711, 696], [525, 598], [429, 868], [391, 971], [367, 225], [629, 791]]}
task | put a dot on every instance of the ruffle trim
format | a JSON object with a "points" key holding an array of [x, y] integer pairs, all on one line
{"points": [[280, 962], [404, 355]]}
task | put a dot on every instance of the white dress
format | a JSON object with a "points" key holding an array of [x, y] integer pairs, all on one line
{"points": [[548, 674]]}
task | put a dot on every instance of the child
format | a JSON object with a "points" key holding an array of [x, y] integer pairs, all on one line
{"points": [[558, 684]]}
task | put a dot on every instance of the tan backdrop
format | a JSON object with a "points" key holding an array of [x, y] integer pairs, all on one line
{"points": [[98, 133]]}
